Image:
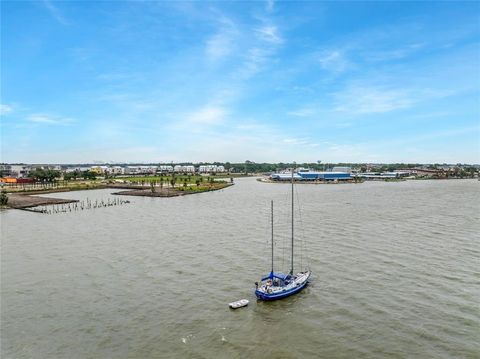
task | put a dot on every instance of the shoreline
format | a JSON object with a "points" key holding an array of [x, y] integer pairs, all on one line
{"points": [[28, 199], [22, 201], [168, 192]]}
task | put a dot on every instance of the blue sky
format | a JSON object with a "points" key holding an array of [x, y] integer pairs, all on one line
{"points": [[85, 81]]}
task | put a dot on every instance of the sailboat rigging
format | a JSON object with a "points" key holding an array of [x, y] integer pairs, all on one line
{"points": [[277, 285]]}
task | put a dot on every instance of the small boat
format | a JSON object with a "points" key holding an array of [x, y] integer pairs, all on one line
{"points": [[277, 285], [238, 304]]}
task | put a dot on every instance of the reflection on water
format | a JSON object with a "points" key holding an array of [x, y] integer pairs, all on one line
{"points": [[395, 275]]}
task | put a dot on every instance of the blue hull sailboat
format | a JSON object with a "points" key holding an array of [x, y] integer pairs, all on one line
{"points": [[278, 285]]}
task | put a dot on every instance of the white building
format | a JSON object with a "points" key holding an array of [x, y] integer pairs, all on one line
{"points": [[165, 169], [184, 169], [210, 169], [20, 170], [137, 170], [116, 170]]}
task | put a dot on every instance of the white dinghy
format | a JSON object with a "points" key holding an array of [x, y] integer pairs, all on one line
{"points": [[238, 304]]}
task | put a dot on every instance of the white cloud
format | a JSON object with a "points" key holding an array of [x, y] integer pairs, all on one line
{"points": [[55, 12], [303, 142], [209, 115], [46, 119], [219, 46], [5, 109], [269, 33], [269, 6], [222, 43], [334, 61], [393, 54], [363, 100], [381, 99], [302, 112], [255, 59]]}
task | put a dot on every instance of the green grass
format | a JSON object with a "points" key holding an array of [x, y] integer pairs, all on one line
{"points": [[203, 188]]}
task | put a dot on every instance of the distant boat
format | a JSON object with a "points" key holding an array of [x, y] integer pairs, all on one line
{"points": [[277, 285]]}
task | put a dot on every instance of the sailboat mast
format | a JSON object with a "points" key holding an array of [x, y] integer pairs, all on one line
{"points": [[272, 236], [293, 168]]}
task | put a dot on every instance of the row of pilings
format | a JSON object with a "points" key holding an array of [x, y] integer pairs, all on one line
{"points": [[78, 206]]}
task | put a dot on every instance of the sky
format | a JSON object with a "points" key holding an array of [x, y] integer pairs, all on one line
{"points": [[265, 81]]}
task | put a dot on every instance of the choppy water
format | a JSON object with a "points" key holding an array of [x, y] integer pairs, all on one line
{"points": [[396, 275]]}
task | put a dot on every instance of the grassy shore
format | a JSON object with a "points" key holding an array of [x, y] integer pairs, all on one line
{"points": [[22, 196], [158, 191], [190, 179], [59, 186]]}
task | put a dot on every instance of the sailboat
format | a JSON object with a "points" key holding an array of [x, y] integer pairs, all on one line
{"points": [[277, 285]]}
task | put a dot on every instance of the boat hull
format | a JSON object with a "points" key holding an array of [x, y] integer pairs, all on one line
{"points": [[261, 295]]}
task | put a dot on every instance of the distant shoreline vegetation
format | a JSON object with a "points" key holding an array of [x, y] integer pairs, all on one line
{"points": [[37, 176]]}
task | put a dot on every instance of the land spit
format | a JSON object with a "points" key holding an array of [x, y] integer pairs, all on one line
{"points": [[28, 199], [149, 193], [22, 201], [166, 192]]}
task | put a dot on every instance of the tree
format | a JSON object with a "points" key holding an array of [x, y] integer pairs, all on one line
{"points": [[44, 175], [3, 198], [89, 175], [71, 175]]}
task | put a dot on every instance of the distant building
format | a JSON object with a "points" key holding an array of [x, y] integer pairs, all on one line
{"points": [[116, 170], [211, 169], [77, 169], [99, 170], [16, 180], [19, 171], [312, 176], [341, 169], [137, 170], [184, 169], [165, 169]]}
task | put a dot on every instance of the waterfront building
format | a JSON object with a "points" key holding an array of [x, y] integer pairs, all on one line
{"points": [[99, 170], [137, 170], [312, 176], [18, 171], [165, 168], [77, 169], [341, 169], [116, 170], [184, 169], [211, 169]]}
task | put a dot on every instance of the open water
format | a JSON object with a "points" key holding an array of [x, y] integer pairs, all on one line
{"points": [[396, 274]]}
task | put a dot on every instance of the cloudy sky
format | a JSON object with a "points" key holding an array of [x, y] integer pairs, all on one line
{"points": [[85, 81]]}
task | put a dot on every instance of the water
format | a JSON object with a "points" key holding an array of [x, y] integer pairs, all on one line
{"points": [[396, 274]]}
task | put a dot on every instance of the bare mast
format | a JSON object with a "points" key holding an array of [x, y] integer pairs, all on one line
{"points": [[293, 169], [272, 236]]}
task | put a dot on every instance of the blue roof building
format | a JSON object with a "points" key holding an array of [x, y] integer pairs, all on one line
{"points": [[312, 176]]}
